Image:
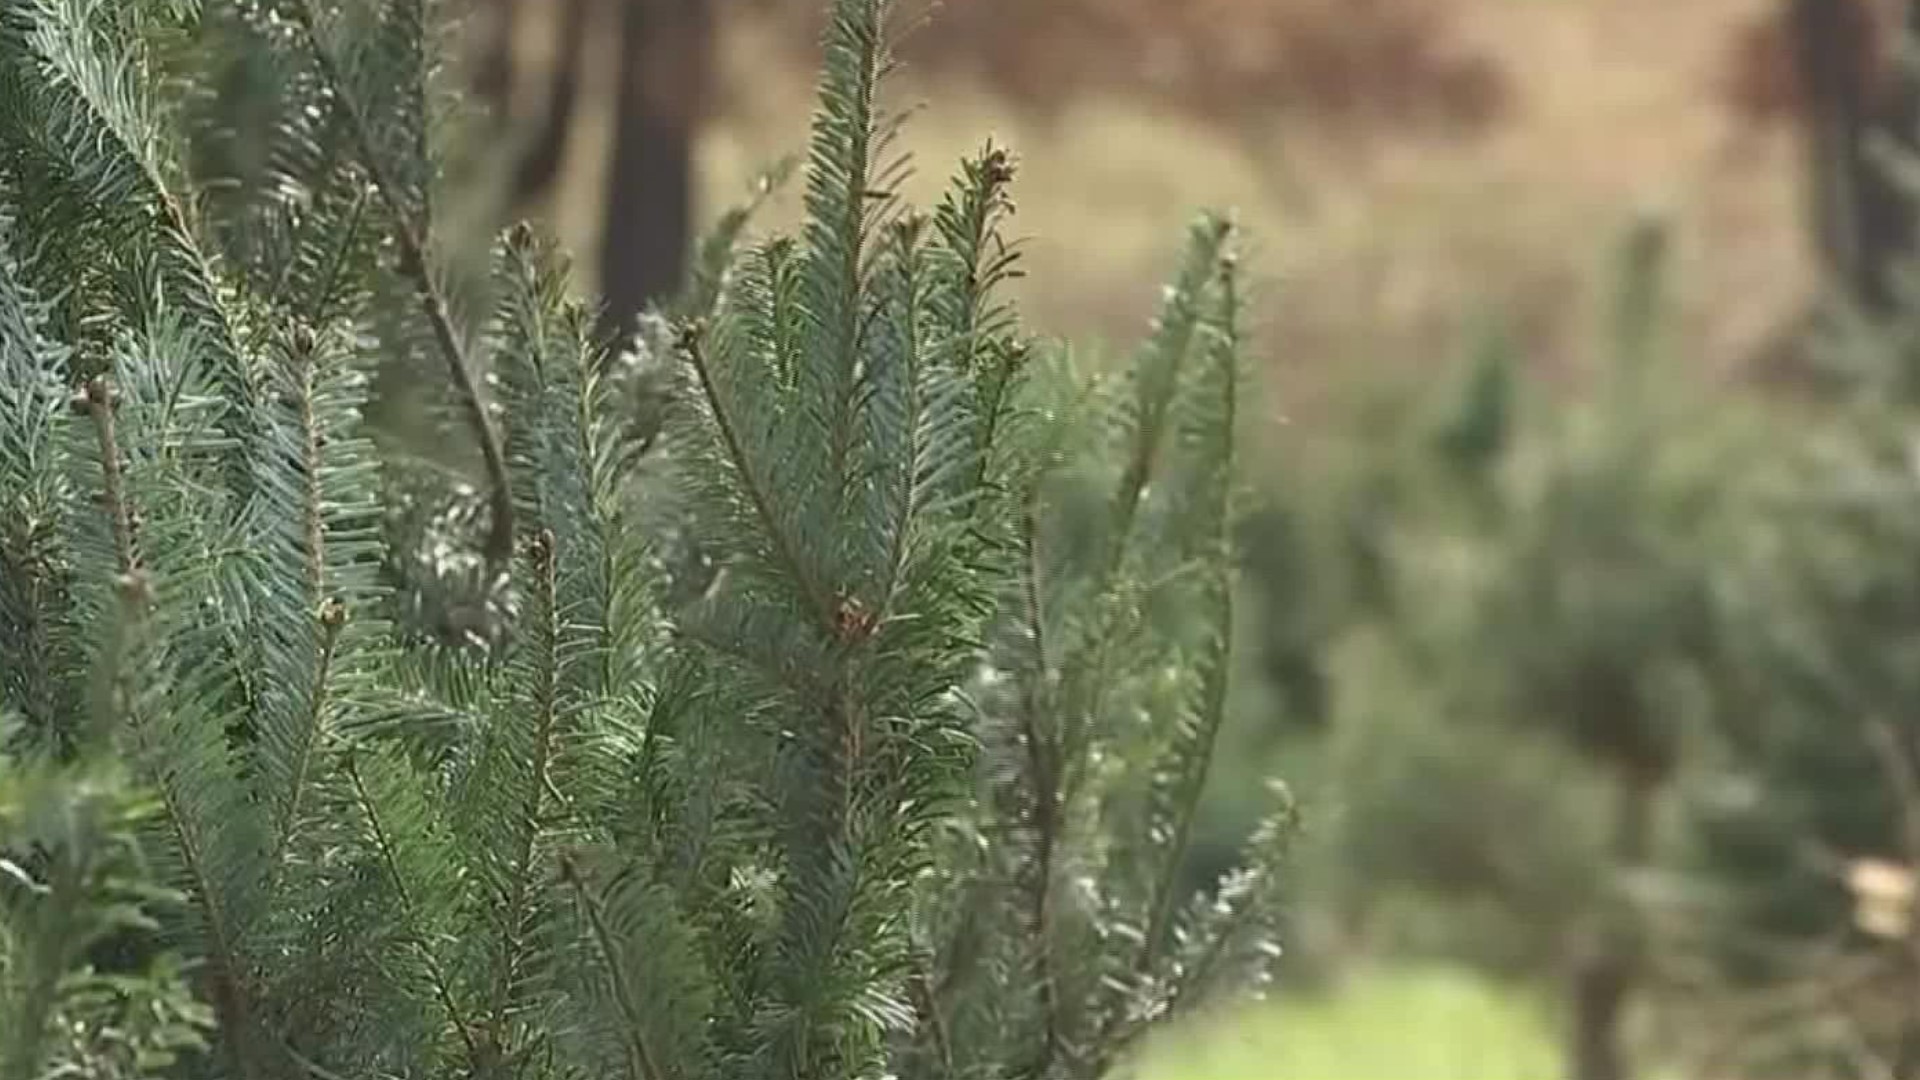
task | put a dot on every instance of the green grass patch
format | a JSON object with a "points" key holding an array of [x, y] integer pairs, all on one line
{"points": [[1391, 1024]]}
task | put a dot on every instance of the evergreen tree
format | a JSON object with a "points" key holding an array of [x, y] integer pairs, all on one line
{"points": [[738, 707]]}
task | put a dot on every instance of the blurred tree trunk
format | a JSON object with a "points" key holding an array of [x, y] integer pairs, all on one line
{"points": [[1599, 997], [493, 71], [1607, 968], [1859, 106], [540, 162], [666, 60]]}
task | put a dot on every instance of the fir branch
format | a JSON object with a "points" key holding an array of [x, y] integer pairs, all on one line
{"points": [[1157, 384], [310, 626], [228, 983], [38, 651], [1242, 901], [1243, 904], [83, 144], [692, 344], [912, 493], [1158, 380], [630, 617], [779, 261], [338, 260], [331, 616], [328, 615], [168, 693], [801, 679], [1196, 755], [968, 222], [1044, 795], [414, 266], [980, 261], [385, 848], [93, 138], [839, 192], [643, 1062], [541, 627]]}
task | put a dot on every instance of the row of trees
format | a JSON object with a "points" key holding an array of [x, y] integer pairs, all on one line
{"points": [[1615, 695]]}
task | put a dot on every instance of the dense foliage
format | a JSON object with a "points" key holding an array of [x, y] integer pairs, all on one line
{"points": [[823, 684]]}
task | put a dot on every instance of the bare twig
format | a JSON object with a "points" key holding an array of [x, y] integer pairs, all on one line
{"points": [[97, 401]]}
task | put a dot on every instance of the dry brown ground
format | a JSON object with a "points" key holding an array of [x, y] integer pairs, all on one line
{"points": [[1376, 248]]}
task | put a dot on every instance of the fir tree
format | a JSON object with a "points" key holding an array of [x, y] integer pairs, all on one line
{"points": [[678, 797]]}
